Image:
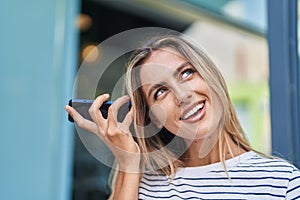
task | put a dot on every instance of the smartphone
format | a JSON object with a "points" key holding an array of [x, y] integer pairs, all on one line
{"points": [[82, 107]]}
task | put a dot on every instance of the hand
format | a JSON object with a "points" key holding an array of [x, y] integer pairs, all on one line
{"points": [[114, 134]]}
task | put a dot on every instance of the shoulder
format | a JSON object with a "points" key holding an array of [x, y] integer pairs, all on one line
{"points": [[293, 190], [257, 169], [152, 184], [275, 170], [152, 177], [266, 165], [253, 159]]}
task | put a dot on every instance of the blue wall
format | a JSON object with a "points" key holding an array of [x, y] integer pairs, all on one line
{"points": [[38, 53], [284, 78]]}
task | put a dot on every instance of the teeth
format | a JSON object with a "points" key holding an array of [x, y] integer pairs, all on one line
{"points": [[193, 111]]}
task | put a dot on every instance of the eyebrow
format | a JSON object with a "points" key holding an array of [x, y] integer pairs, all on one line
{"points": [[155, 86], [177, 71], [180, 67]]}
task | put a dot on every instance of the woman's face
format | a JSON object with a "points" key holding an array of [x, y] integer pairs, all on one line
{"points": [[178, 97]]}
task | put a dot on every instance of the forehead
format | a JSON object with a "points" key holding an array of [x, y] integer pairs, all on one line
{"points": [[161, 64], [165, 56]]}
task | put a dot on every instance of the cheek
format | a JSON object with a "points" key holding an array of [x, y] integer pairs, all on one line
{"points": [[165, 112], [200, 84], [159, 112], [216, 106]]}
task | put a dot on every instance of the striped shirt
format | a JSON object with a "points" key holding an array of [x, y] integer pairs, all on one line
{"points": [[251, 177]]}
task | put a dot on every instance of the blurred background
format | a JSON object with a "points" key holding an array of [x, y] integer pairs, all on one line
{"points": [[43, 43]]}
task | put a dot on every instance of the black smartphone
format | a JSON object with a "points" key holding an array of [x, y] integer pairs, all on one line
{"points": [[82, 107]]}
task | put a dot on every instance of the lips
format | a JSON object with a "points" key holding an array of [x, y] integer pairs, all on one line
{"points": [[194, 111]]}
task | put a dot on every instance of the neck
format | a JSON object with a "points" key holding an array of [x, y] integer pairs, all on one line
{"points": [[206, 151]]}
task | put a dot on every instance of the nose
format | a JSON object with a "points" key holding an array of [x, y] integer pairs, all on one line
{"points": [[183, 95]]}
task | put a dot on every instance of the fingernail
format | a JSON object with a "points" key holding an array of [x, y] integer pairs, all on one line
{"points": [[67, 108]]}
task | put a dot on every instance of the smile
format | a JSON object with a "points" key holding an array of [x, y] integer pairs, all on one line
{"points": [[193, 111]]}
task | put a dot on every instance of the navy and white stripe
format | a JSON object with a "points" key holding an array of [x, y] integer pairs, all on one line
{"points": [[251, 177]]}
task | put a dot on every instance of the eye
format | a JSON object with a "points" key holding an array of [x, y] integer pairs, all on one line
{"points": [[159, 92], [186, 73]]}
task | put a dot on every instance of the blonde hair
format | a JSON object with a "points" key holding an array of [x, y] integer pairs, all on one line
{"points": [[154, 155]]}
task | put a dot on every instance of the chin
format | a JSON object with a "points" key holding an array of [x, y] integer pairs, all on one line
{"points": [[194, 136]]}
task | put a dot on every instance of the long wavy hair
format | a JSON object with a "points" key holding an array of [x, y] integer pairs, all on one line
{"points": [[157, 154]]}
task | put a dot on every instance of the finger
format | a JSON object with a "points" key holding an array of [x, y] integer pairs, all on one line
{"points": [[81, 121], [94, 110], [114, 108], [127, 122]]}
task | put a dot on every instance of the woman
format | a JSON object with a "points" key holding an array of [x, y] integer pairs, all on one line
{"points": [[197, 149]]}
